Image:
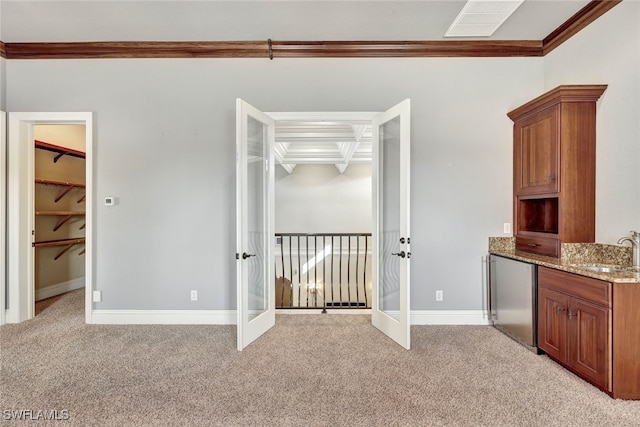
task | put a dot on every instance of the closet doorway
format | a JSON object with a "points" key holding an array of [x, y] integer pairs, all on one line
{"points": [[59, 211], [28, 227]]}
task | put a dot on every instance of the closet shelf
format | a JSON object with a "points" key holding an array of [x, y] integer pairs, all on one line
{"points": [[62, 151], [67, 215], [67, 243], [70, 186]]}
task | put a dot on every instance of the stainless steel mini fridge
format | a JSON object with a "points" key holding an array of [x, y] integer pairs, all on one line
{"points": [[513, 299]]}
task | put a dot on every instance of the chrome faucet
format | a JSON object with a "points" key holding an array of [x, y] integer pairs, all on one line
{"points": [[635, 242]]}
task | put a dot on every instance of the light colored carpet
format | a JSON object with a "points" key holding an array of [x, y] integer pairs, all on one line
{"points": [[311, 370]]}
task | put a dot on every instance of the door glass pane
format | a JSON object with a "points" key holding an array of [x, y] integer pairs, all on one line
{"points": [[256, 181], [389, 287]]}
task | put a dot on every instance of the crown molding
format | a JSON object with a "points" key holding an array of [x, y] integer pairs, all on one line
{"points": [[585, 16], [406, 49], [311, 49], [87, 50], [272, 49]]}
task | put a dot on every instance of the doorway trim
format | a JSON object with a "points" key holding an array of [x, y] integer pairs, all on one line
{"points": [[3, 215], [329, 116], [20, 218]]}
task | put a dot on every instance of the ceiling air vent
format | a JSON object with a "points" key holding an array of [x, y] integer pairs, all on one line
{"points": [[481, 18]]}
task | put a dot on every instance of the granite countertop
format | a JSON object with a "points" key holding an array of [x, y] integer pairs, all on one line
{"points": [[583, 253]]}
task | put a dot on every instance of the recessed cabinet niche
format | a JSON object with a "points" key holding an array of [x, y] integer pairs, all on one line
{"points": [[554, 140]]}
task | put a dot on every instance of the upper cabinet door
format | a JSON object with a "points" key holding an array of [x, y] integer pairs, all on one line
{"points": [[536, 153]]}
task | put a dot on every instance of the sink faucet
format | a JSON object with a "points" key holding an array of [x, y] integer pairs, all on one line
{"points": [[635, 242]]}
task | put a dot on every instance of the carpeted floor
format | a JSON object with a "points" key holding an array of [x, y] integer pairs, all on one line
{"points": [[311, 370]]}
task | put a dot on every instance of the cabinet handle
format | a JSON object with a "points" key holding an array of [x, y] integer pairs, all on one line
{"points": [[550, 178], [533, 245], [559, 309], [571, 314]]}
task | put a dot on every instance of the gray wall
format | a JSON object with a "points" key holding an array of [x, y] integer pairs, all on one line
{"points": [[164, 144], [608, 51]]}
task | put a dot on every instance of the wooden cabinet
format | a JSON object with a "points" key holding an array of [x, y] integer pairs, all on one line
{"points": [[554, 139], [536, 150], [590, 327]]}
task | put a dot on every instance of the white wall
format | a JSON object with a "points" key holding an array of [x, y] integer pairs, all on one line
{"points": [[165, 145], [319, 199], [608, 51]]}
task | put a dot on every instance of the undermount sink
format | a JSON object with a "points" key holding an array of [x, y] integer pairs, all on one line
{"points": [[604, 268]]}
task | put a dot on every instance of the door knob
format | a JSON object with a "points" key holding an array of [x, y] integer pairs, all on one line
{"points": [[401, 254], [246, 255]]}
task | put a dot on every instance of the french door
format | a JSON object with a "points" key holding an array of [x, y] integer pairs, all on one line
{"points": [[255, 227], [390, 311]]}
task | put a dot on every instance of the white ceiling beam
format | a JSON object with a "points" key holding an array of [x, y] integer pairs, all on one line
{"points": [[341, 167], [279, 151]]}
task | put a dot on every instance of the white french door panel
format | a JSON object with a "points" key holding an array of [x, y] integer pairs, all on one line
{"points": [[255, 132], [391, 232]]}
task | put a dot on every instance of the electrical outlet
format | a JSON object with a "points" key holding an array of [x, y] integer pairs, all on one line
{"points": [[194, 295], [439, 296], [506, 228], [97, 296]]}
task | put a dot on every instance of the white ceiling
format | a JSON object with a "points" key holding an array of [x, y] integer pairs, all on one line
{"points": [[338, 142], [298, 20]]}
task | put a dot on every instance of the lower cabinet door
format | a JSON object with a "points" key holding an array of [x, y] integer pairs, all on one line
{"points": [[590, 342], [552, 323]]}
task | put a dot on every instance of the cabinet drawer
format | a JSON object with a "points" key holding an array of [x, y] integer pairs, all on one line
{"points": [[594, 290], [538, 245]]}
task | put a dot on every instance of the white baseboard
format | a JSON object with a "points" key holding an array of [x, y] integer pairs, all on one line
{"points": [[228, 317], [449, 317], [163, 317], [59, 288]]}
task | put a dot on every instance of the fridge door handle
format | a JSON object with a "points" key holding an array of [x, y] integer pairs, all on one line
{"points": [[487, 263]]}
